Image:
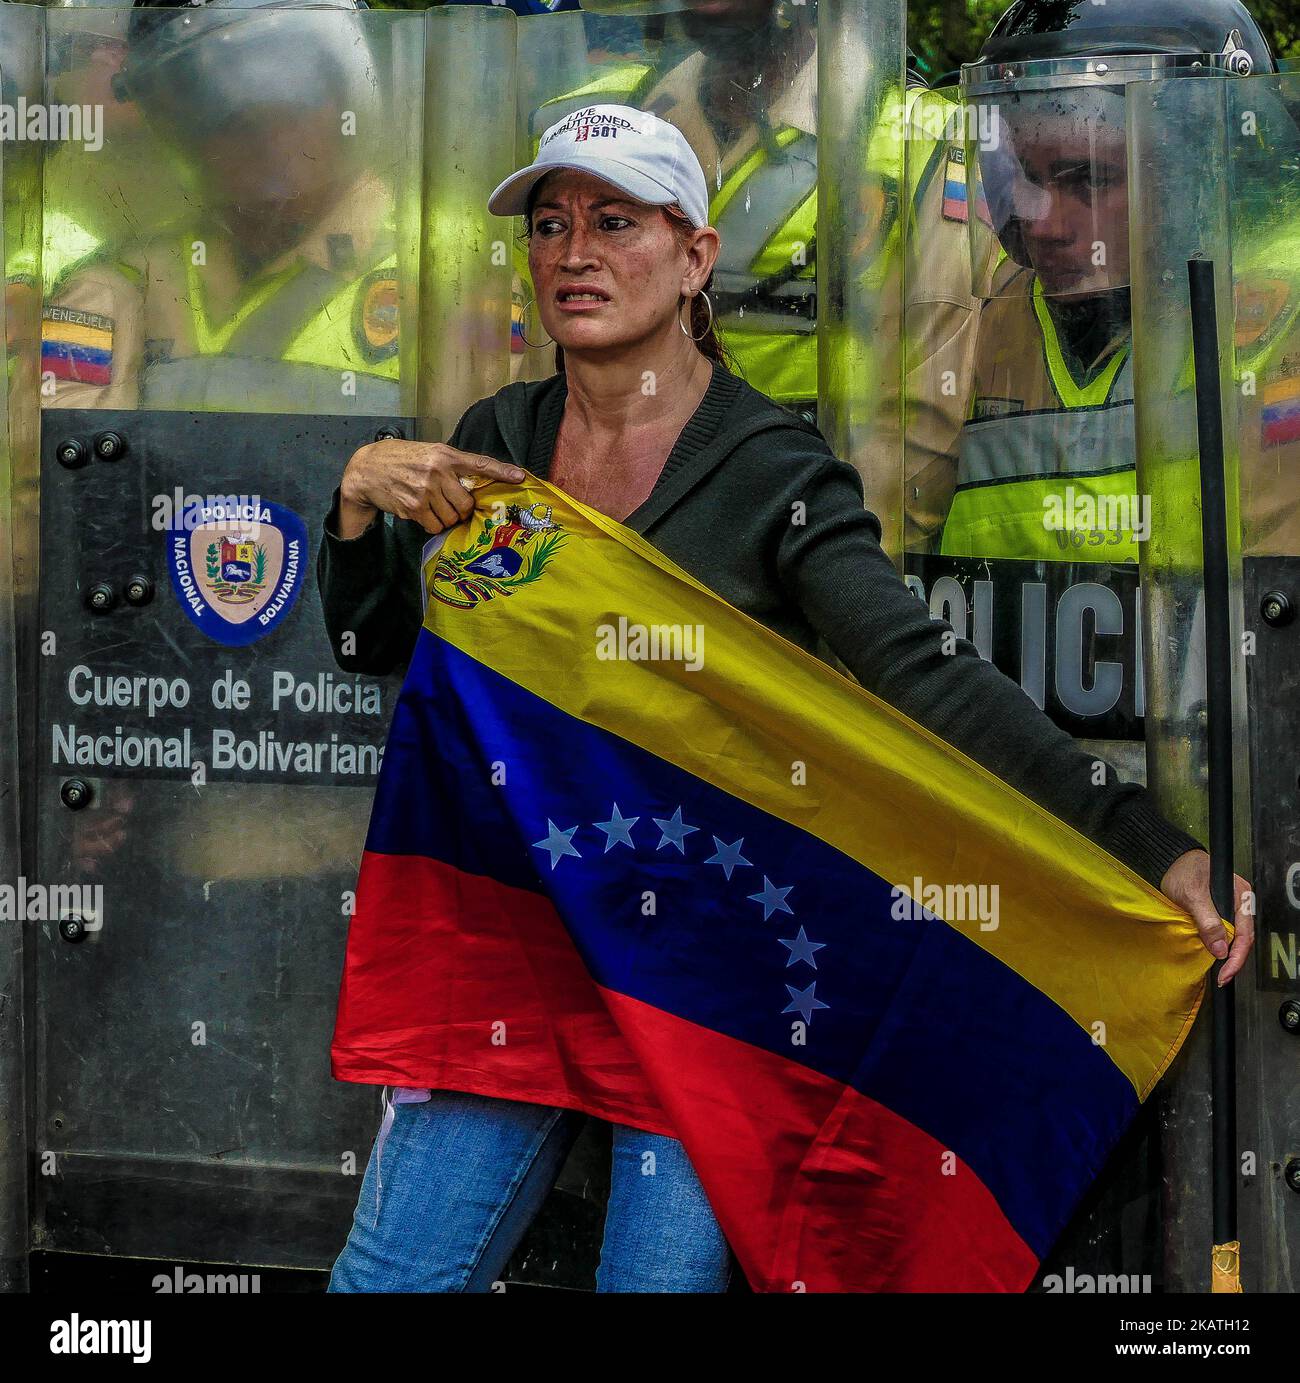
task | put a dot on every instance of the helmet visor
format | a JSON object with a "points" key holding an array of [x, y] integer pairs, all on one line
{"points": [[1047, 157], [1051, 191]]}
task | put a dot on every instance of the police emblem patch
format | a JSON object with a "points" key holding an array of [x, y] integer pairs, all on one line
{"points": [[1258, 308], [506, 554], [237, 565], [375, 324]]}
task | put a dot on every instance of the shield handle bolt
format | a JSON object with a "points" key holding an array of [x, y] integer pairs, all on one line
{"points": [[1289, 1016], [1276, 608], [138, 591], [72, 929], [72, 453], [75, 793], [1291, 1174], [390, 433], [101, 598], [110, 446]]}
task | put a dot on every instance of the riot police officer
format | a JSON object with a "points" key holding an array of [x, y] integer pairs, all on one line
{"points": [[282, 292], [1046, 464]]}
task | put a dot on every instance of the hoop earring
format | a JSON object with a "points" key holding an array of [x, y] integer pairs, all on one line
{"points": [[708, 302], [523, 324]]}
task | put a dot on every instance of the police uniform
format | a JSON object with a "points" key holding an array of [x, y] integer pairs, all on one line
{"points": [[157, 329], [1267, 371], [1035, 426]]}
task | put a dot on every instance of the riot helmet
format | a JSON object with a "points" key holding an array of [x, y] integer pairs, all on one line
{"points": [[1045, 112], [255, 96], [1034, 30], [198, 67]]}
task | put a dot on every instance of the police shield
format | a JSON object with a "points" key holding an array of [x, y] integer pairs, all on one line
{"points": [[992, 410], [743, 89], [1238, 145], [1021, 522], [260, 262], [22, 136], [237, 258]]}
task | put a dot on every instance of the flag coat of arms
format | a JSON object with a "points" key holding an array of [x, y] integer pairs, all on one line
{"points": [[633, 854]]}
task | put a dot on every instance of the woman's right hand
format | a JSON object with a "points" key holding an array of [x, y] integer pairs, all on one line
{"points": [[428, 482]]}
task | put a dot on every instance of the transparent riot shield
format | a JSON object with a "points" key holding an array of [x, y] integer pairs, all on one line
{"points": [[21, 80], [745, 96], [1216, 170], [232, 307], [1013, 501], [13, 1143], [1020, 520]]}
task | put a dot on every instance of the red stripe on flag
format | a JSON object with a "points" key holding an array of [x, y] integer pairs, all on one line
{"points": [[492, 990], [817, 1187], [80, 371]]}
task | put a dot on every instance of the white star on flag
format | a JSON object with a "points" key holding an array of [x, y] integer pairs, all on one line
{"points": [[618, 829], [674, 831], [557, 842]]}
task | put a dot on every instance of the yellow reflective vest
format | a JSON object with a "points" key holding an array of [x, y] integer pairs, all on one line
{"points": [[319, 333], [1046, 462], [1047, 467]]}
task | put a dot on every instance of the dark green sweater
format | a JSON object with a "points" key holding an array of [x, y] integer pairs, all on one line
{"points": [[753, 503]]}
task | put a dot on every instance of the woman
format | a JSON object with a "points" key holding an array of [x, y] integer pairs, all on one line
{"points": [[646, 424]]}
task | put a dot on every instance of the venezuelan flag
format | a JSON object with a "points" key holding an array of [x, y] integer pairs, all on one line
{"points": [[77, 346], [1280, 417], [954, 184], [635, 855], [956, 189]]}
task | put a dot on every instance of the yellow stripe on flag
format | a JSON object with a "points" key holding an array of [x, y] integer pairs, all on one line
{"points": [[73, 334]]}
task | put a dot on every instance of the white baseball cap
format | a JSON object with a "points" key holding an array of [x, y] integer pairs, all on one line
{"points": [[638, 152]]}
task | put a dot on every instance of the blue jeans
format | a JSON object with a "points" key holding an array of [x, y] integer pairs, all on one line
{"points": [[464, 1176]]}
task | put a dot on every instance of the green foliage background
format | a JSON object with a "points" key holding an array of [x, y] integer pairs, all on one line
{"points": [[946, 33]]}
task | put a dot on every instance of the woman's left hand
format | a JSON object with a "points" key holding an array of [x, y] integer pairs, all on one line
{"points": [[1187, 883]]}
